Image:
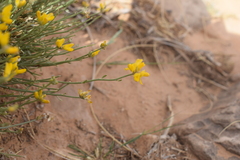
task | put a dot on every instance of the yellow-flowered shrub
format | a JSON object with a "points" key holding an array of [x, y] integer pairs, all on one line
{"points": [[31, 34]]}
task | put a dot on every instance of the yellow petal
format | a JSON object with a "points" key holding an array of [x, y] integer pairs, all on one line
{"points": [[126, 68], [40, 93], [50, 17], [95, 53], [103, 45], [85, 4], [131, 67], [68, 47], [14, 59], [20, 3], [21, 71], [139, 64], [8, 70], [13, 108], [38, 14], [4, 38], [6, 14], [144, 74], [59, 42], [45, 101], [137, 76], [3, 26], [44, 18], [12, 50], [36, 95]]}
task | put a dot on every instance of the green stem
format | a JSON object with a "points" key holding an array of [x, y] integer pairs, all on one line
{"points": [[87, 81], [19, 124]]}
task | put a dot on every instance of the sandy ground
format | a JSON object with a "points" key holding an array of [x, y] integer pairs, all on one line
{"points": [[127, 109]]}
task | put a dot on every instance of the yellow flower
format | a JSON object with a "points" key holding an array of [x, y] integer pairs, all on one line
{"points": [[135, 67], [44, 18], [3, 26], [40, 97], [67, 47], [4, 38], [7, 71], [20, 3], [59, 42], [102, 8], [11, 68], [95, 53], [6, 14], [11, 50], [103, 45], [85, 4], [13, 59], [13, 108], [137, 76], [85, 95]]}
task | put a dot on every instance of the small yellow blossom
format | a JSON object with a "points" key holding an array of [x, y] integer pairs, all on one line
{"points": [[20, 3], [3, 26], [135, 67], [13, 108], [40, 97], [44, 18], [137, 76], [11, 50], [85, 95], [67, 47], [85, 4], [102, 8], [59, 42], [14, 59], [20, 130], [103, 45], [11, 70], [4, 38], [95, 53], [6, 14]]}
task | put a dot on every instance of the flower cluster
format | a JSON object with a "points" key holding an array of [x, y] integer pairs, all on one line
{"points": [[135, 69], [5, 18]]}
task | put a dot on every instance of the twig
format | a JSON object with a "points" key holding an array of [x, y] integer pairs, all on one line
{"points": [[57, 153], [30, 124], [228, 127], [210, 81], [95, 117], [159, 64], [208, 96], [169, 105]]}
